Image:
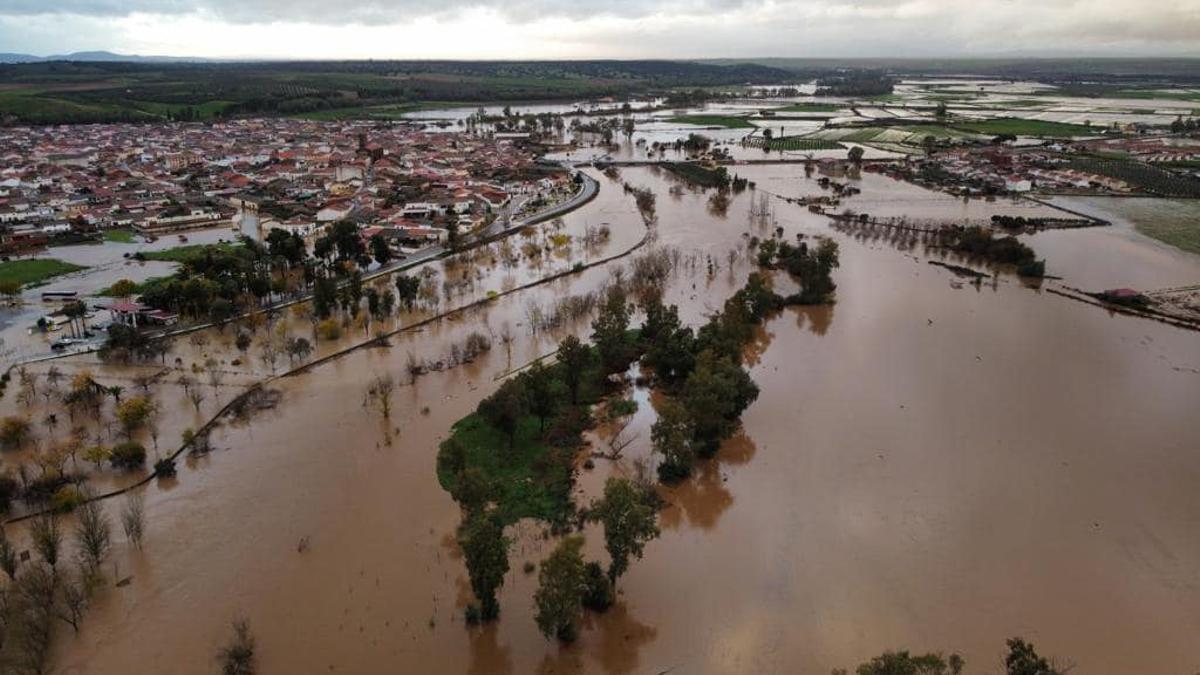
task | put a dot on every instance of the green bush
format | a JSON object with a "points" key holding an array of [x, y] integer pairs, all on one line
{"points": [[66, 498], [128, 455], [165, 467]]}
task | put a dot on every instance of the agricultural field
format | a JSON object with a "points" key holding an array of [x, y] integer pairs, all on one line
{"points": [[724, 121], [809, 108], [33, 271], [1025, 127], [795, 143], [46, 93], [1145, 177]]}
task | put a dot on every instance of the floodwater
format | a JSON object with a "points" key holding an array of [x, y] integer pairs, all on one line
{"points": [[930, 465]]}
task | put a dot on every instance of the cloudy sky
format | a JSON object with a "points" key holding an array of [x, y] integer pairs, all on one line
{"points": [[516, 29]]}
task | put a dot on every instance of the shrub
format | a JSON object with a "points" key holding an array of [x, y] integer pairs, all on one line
{"points": [[329, 329], [1032, 268], [66, 498], [128, 455], [165, 467]]}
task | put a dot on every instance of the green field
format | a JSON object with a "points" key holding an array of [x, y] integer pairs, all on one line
{"points": [[34, 271], [1023, 127], [119, 236], [726, 121], [526, 481], [810, 108]]}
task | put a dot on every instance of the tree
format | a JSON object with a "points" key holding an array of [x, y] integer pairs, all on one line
{"points": [[15, 432], [902, 663], [133, 413], [714, 396], [505, 408], [610, 329], [573, 356], [406, 290], [380, 250], [97, 454], [133, 518], [1022, 659], [47, 537], [672, 435], [856, 154], [379, 394], [940, 112], [123, 288], [561, 585], [298, 348], [71, 602], [629, 516], [237, 657], [8, 557], [485, 550], [93, 534], [543, 392]]}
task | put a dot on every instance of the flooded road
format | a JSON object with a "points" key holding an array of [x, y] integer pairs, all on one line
{"points": [[929, 466]]}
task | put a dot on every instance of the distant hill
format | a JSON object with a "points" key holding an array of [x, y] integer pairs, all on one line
{"points": [[94, 56]]}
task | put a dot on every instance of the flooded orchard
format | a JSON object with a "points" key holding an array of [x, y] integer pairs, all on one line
{"points": [[930, 465]]}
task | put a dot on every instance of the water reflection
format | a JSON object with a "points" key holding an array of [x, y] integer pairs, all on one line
{"points": [[621, 638], [488, 657], [698, 501], [818, 317]]}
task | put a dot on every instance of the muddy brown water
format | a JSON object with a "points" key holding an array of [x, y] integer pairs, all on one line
{"points": [[930, 465]]}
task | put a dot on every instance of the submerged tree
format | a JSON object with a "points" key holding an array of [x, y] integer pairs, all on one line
{"points": [[629, 515], [673, 437], [133, 518], [237, 657], [379, 394], [610, 330], [561, 585], [485, 549]]}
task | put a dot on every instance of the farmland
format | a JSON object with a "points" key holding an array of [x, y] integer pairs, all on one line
{"points": [[1151, 179], [34, 271], [809, 108], [54, 92], [724, 121], [795, 143], [1024, 127]]}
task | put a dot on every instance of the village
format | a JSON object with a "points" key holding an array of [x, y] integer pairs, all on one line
{"points": [[173, 186], [257, 175]]}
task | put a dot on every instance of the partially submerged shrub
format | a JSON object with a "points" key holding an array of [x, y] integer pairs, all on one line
{"points": [[128, 455]]}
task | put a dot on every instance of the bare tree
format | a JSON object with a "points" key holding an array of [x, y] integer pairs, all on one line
{"points": [[72, 601], [47, 537], [133, 518], [92, 534], [215, 375], [379, 394]]}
